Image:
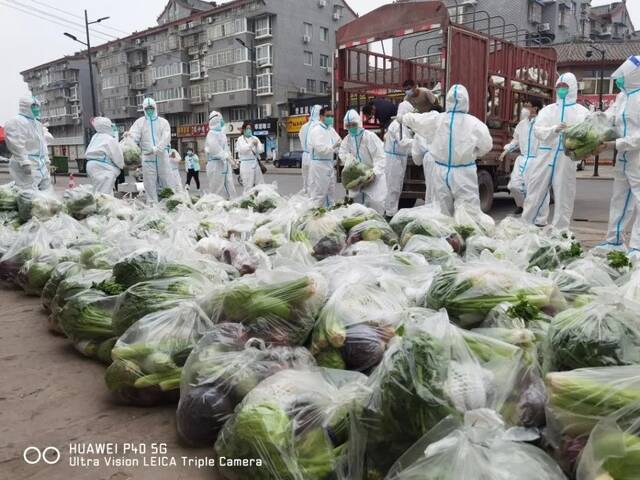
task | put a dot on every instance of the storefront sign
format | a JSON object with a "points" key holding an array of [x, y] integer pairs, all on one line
{"points": [[593, 100], [295, 123], [199, 130]]}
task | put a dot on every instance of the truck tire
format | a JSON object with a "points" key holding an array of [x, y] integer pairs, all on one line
{"points": [[407, 202], [486, 188]]}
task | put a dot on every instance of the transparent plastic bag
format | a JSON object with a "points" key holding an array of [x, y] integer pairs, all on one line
{"points": [[292, 255], [407, 215], [32, 240], [9, 198], [356, 174], [470, 222], [80, 202], [278, 306], [437, 251], [372, 230], [583, 139], [148, 358], [38, 204], [131, 153], [58, 274], [148, 264], [355, 325], [375, 247], [479, 448], [111, 206], [293, 425], [321, 232], [438, 226], [261, 198], [35, 273], [596, 335], [470, 291], [580, 277], [208, 202], [351, 215], [222, 369]]}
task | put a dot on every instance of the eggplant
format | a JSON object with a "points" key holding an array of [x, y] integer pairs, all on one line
{"points": [[363, 348], [201, 414]]}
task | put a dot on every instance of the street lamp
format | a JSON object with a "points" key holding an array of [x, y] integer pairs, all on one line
{"points": [[254, 83], [88, 45], [589, 54]]}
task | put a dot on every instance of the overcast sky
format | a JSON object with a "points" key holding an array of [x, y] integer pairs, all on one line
{"points": [[28, 41]]}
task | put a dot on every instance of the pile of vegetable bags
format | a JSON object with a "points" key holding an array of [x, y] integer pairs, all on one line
{"points": [[583, 139], [332, 344]]}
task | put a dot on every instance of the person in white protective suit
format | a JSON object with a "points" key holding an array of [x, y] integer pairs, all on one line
{"points": [[153, 134], [175, 180], [625, 115], [303, 134], [249, 149], [104, 157], [457, 139], [219, 159], [421, 156], [324, 142], [526, 143], [27, 141], [398, 142], [365, 146], [552, 168]]}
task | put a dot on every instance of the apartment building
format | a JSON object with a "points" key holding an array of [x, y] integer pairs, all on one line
{"points": [[244, 58]]}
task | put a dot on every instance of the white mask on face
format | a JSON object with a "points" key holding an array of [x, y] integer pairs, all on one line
{"points": [[525, 113]]}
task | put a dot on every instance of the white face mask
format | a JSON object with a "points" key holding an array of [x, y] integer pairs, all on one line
{"points": [[525, 113]]}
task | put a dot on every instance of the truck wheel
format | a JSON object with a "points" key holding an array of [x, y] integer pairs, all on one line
{"points": [[485, 186], [407, 202]]}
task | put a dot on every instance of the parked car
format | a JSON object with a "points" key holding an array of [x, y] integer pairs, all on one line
{"points": [[290, 159]]}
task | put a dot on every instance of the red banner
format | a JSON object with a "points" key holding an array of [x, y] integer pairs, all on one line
{"points": [[199, 130], [593, 100]]}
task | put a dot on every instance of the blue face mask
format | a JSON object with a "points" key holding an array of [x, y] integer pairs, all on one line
{"points": [[563, 92], [35, 111], [328, 121], [354, 130], [248, 132], [620, 83], [150, 113], [222, 123]]}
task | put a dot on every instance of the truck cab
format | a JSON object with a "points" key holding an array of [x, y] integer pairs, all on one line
{"points": [[500, 66]]}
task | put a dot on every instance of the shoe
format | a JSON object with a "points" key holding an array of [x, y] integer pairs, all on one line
{"points": [[186, 187], [518, 211]]}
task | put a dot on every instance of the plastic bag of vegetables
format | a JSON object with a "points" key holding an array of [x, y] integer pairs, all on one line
{"points": [[598, 334], [371, 231], [80, 202], [356, 324], [87, 320], [469, 291], [355, 174], [613, 449], [580, 277], [222, 369], [468, 222], [438, 226], [38, 204], [321, 232], [147, 264], [278, 306], [480, 447], [148, 358], [144, 298], [59, 273], [583, 139], [376, 247], [437, 251], [294, 425], [33, 240], [351, 215], [579, 399], [35, 273], [8, 198], [131, 153]]}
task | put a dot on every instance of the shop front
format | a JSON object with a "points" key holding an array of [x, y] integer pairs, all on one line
{"points": [[267, 131], [294, 124]]}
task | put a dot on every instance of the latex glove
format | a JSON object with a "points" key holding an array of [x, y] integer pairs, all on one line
{"points": [[503, 155], [158, 149], [336, 145], [561, 127]]}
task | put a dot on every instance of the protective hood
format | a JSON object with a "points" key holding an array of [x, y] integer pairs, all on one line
{"points": [[569, 79], [352, 117], [630, 71], [404, 108], [103, 125], [215, 120], [24, 105], [150, 102], [458, 99], [315, 113]]}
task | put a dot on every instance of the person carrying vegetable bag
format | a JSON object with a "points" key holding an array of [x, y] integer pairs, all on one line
{"points": [[175, 181], [457, 139], [304, 141], [625, 114], [104, 157], [219, 168], [526, 143], [192, 163], [323, 143], [362, 153], [397, 146], [553, 168], [249, 148]]}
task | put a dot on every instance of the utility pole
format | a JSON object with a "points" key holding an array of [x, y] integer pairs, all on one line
{"points": [[254, 83], [602, 53]]}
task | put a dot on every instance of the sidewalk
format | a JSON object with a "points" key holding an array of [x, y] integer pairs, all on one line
{"points": [[605, 172]]}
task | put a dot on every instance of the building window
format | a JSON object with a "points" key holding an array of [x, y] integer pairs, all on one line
{"points": [[201, 117], [263, 27], [311, 85], [324, 87], [337, 12], [562, 16], [324, 61], [170, 70], [308, 30], [308, 58], [227, 85], [237, 114], [229, 56], [324, 34], [535, 12], [196, 93], [168, 94], [264, 85], [227, 29], [264, 111], [194, 69], [264, 56]]}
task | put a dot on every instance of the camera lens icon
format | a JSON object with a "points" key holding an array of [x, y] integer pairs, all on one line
{"points": [[33, 455]]}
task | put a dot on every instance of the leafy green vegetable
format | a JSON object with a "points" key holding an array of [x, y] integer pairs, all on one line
{"points": [[165, 193], [355, 175], [618, 260]]}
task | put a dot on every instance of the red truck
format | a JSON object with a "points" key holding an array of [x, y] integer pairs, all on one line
{"points": [[478, 51]]}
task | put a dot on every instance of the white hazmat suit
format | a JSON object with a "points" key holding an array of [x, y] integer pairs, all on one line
{"points": [[421, 156], [397, 146], [526, 143], [457, 140], [175, 180], [27, 141], [104, 157], [552, 168], [249, 150], [625, 113], [366, 147], [303, 135], [153, 134], [322, 144], [219, 160]]}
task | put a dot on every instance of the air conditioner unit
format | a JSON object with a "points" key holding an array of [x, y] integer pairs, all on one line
{"points": [[302, 90], [306, 38], [336, 16], [209, 42], [151, 57], [544, 27], [328, 70], [322, 3], [138, 41]]}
